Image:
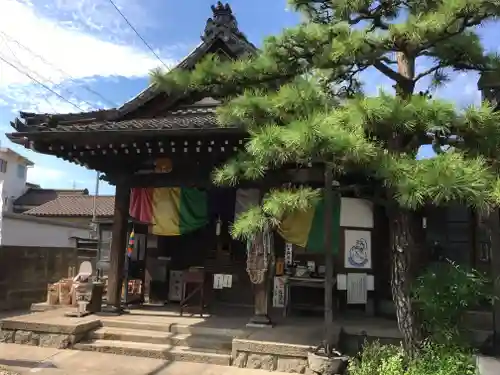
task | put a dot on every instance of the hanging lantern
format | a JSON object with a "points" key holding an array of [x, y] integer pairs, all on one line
{"points": [[218, 226], [131, 242]]}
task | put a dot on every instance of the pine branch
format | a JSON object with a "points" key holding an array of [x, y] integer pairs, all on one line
{"points": [[450, 30], [388, 72], [427, 72], [275, 205]]}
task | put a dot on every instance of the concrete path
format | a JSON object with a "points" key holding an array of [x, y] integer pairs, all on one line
{"points": [[46, 361], [488, 365]]}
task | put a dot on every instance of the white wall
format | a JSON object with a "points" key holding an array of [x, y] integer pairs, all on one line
{"points": [[17, 230], [13, 185]]}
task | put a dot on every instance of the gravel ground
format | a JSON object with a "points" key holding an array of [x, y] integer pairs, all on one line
{"points": [[4, 371]]}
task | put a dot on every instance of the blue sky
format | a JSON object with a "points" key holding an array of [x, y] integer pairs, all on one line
{"points": [[86, 47]]}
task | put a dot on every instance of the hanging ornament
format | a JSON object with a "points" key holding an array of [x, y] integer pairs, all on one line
{"points": [[163, 165], [218, 227], [131, 242]]}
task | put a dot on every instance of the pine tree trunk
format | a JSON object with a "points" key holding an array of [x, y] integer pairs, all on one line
{"points": [[404, 250]]}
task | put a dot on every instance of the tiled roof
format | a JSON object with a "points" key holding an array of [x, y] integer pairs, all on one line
{"points": [[75, 205], [184, 118], [36, 196]]}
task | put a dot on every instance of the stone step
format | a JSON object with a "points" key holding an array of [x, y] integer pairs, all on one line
{"points": [[159, 351], [222, 344], [172, 327]]}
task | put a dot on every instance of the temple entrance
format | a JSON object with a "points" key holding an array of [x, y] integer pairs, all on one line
{"points": [[133, 291], [208, 249]]}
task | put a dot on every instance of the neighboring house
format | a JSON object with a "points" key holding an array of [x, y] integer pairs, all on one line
{"points": [[17, 195], [36, 196], [29, 231], [13, 171], [75, 208], [79, 209]]}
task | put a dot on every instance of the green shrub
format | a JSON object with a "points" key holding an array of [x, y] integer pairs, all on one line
{"points": [[377, 359], [433, 359], [443, 295], [436, 359]]}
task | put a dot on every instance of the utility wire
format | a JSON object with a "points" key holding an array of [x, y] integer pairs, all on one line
{"points": [[45, 97], [137, 33], [40, 83], [41, 78], [86, 87]]}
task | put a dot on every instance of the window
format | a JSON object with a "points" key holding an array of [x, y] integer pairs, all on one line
{"points": [[3, 166], [21, 171]]}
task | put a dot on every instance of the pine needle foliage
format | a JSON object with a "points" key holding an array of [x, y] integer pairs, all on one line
{"points": [[300, 101], [280, 98]]}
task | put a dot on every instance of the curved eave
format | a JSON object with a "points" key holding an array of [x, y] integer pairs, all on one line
{"points": [[23, 138], [18, 138]]}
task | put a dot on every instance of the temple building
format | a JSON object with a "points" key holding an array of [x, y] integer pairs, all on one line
{"points": [[171, 223]]}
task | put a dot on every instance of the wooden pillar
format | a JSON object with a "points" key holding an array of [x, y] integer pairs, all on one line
{"points": [[118, 246], [262, 293], [328, 196], [261, 304]]}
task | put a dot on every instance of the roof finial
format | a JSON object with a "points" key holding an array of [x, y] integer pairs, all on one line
{"points": [[222, 22]]}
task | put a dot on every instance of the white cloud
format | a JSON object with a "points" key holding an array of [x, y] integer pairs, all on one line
{"points": [[88, 43], [47, 174], [43, 175]]}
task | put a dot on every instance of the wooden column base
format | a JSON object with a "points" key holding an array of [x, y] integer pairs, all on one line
{"points": [[260, 321], [261, 305], [112, 310]]}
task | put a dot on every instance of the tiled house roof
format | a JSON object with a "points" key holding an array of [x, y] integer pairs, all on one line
{"points": [[75, 206], [36, 196]]}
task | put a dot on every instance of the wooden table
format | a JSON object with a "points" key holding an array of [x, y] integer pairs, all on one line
{"points": [[196, 278], [303, 282]]}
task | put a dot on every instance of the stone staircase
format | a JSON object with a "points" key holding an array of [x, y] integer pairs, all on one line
{"points": [[174, 342]]}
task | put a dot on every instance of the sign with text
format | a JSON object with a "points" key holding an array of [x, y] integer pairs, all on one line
{"points": [[279, 291]]}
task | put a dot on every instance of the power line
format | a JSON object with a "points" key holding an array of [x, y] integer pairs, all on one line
{"points": [[86, 87], [41, 78], [40, 83], [45, 97], [137, 33]]}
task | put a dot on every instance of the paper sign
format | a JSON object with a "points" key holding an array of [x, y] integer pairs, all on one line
{"points": [[341, 281], [227, 281], [288, 254], [218, 281], [279, 291], [370, 282], [356, 288]]}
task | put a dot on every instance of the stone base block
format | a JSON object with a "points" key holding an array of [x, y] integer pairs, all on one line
{"points": [[47, 340]]}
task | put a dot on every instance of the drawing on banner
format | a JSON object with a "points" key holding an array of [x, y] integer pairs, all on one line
{"points": [[358, 249]]}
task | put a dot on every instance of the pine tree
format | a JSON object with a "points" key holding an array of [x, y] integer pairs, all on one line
{"points": [[300, 101]]}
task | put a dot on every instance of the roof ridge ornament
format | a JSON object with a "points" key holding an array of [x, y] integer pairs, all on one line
{"points": [[222, 24]]}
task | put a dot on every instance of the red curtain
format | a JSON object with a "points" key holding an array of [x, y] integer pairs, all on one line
{"points": [[141, 204]]}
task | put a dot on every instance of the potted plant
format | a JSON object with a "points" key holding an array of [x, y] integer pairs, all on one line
{"points": [[326, 360]]}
